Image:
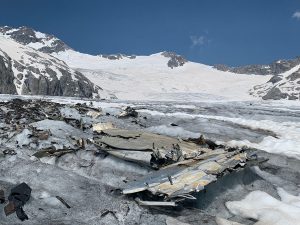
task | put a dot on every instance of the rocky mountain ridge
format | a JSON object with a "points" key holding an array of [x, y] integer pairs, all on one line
{"points": [[50, 44], [280, 86], [29, 37], [274, 68], [25, 71]]}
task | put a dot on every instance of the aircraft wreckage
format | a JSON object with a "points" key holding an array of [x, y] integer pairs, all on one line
{"points": [[179, 167], [183, 166]]}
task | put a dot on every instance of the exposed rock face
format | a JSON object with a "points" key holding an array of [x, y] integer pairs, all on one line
{"points": [[285, 83], [175, 60], [40, 41], [65, 86], [274, 68], [283, 86], [50, 44], [7, 85], [117, 56], [29, 72]]}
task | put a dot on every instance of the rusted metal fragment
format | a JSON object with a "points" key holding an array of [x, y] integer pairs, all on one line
{"points": [[9, 209]]}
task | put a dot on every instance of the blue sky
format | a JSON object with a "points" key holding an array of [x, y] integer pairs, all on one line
{"points": [[233, 32]]}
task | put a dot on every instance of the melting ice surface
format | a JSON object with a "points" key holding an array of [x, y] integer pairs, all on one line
{"points": [[270, 126], [280, 121], [286, 131]]}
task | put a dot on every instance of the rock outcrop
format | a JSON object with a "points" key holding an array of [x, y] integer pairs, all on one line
{"points": [[26, 71], [7, 85], [275, 68], [117, 56], [282, 86], [27, 36], [174, 59]]}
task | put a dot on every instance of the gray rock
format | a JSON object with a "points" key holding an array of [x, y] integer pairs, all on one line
{"points": [[7, 85], [284, 86], [275, 94], [26, 35], [294, 76], [36, 74], [65, 86], [117, 56], [275, 79], [175, 60], [275, 68], [20, 76], [18, 66]]}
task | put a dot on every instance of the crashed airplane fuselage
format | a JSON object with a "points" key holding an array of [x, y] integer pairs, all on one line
{"points": [[183, 166]]}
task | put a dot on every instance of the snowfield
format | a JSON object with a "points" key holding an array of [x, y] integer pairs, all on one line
{"points": [[149, 78]]}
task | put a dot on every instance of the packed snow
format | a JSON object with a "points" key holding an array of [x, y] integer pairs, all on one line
{"points": [[266, 209]]}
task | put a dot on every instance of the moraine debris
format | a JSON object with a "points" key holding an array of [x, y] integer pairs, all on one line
{"points": [[9, 152], [128, 112]]}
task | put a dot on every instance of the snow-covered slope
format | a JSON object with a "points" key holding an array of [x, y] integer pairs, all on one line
{"points": [[161, 76], [191, 82], [150, 78], [27, 71], [283, 86]]}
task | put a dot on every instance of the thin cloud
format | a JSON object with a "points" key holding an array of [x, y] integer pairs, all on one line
{"points": [[296, 15], [198, 41]]}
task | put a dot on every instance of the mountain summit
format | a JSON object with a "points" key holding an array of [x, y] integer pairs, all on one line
{"points": [[27, 36], [26, 71], [50, 44]]}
